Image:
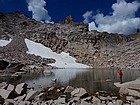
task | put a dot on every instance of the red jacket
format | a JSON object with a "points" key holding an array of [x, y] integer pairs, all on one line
{"points": [[120, 73]]}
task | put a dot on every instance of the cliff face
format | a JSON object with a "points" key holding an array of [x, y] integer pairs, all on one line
{"points": [[88, 47]]}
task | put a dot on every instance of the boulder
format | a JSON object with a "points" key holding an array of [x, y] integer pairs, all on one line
{"points": [[3, 85], [21, 88], [60, 100], [137, 102], [10, 102], [40, 97], [96, 100], [51, 89], [24, 103], [11, 87], [20, 98], [123, 90], [78, 92], [126, 91], [31, 95], [85, 103], [68, 89], [6, 94]]}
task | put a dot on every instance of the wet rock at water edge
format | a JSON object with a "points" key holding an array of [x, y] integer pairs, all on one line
{"points": [[79, 92], [68, 89]]}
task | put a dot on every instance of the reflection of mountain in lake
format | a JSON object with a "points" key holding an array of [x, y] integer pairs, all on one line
{"points": [[65, 75]]}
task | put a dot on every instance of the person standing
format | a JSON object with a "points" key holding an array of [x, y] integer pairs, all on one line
{"points": [[120, 74]]}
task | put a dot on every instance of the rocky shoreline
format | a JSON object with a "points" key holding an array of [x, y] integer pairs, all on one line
{"points": [[21, 94]]}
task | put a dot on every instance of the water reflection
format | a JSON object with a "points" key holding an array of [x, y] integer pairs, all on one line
{"points": [[91, 79]]}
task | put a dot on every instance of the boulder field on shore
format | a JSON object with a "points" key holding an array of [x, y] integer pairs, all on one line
{"points": [[21, 94]]}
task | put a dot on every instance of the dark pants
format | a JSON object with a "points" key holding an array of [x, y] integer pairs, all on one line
{"points": [[120, 80]]}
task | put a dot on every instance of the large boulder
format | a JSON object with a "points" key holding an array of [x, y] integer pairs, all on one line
{"points": [[6, 94], [21, 88]]}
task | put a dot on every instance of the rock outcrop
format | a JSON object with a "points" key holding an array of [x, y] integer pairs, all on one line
{"points": [[88, 47]]}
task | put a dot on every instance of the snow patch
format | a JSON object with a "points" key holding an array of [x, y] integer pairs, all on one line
{"points": [[63, 60], [4, 42]]}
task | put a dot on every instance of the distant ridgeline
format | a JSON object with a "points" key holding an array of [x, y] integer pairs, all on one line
{"points": [[93, 48]]}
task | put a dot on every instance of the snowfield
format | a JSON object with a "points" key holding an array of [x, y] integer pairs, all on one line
{"points": [[63, 60], [4, 42]]}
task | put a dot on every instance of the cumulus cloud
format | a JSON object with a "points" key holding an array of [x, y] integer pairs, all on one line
{"points": [[87, 16], [122, 20], [39, 13]]}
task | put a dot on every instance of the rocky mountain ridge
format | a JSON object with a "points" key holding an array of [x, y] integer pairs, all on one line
{"points": [[93, 48]]}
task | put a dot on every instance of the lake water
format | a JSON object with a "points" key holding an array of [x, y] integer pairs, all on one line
{"points": [[90, 79]]}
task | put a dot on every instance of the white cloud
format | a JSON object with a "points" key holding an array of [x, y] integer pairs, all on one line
{"points": [[122, 20], [87, 16], [39, 13]]}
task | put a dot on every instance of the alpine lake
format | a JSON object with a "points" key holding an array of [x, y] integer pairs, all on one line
{"points": [[92, 80]]}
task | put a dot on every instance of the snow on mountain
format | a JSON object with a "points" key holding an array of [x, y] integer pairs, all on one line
{"points": [[63, 60], [4, 42]]}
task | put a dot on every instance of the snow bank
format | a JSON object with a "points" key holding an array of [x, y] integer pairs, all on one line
{"points": [[63, 60], [4, 42]]}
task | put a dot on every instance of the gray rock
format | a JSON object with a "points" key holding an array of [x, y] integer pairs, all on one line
{"points": [[68, 89], [123, 90], [85, 103], [3, 85], [119, 102], [31, 95], [50, 89], [20, 98], [130, 98], [11, 87], [137, 102], [87, 98], [6, 94], [110, 103], [76, 98], [40, 97], [60, 100], [10, 102], [79, 92], [24, 103], [96, 100], [21, 88]]}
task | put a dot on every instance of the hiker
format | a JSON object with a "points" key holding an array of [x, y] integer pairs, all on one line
{"points": [[120, 74]]}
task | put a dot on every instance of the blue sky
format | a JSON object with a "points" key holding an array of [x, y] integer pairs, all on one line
{"points": [[57, 10]]}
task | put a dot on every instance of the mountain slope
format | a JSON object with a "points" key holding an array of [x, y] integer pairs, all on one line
{"points": [[88, 47]]}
